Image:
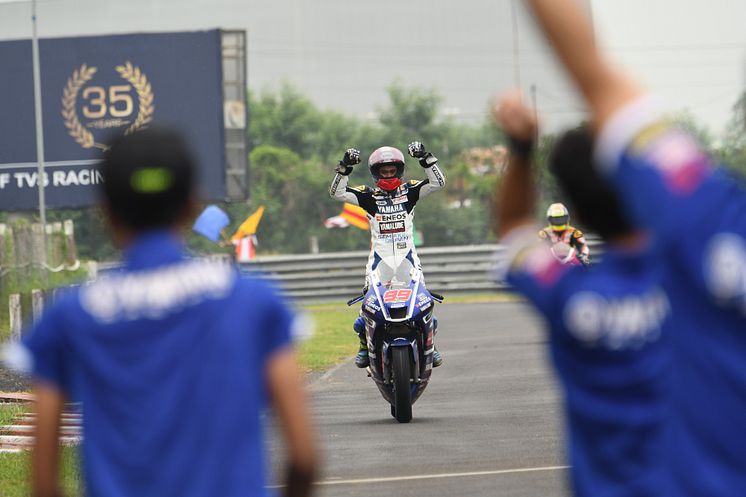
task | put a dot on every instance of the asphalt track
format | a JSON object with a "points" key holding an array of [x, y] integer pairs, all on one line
{"points": [[489, 423]]}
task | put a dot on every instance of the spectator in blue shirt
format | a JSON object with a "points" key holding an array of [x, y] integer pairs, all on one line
{"points": [[173, 358], [607, 323], [697, 213]]}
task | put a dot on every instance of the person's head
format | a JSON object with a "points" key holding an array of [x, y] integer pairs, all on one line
{"points": [[593, 200], [558, 217], [148, 181], [386, 165]]}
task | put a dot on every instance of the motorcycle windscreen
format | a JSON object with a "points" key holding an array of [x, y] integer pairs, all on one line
{"points": [[395, 272]]}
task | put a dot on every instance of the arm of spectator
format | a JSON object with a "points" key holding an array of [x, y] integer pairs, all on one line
{"points": [[48, 405], [605, 88], [286, 391], [516, 195]]}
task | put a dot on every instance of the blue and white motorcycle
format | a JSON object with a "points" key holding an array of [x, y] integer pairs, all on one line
{"points": [[399, 327]]}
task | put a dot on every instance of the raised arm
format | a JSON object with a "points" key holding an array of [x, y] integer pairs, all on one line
{"points": [[516, 195], [567, 26], [338, 189], [436, 180]]}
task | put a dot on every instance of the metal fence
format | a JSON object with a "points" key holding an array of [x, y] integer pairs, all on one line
{"points": [[340, 275]]}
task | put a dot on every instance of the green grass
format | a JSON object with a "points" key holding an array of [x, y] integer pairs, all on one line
{"points": [[15, 478], [11, 410], [333, 339], [14, 468]]}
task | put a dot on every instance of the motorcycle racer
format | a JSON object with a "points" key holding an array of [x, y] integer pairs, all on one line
{"points": [[389, 208], [559, 230]]}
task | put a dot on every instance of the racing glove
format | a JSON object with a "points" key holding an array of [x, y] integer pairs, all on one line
{"points": [[417, 150], [351, 157]]}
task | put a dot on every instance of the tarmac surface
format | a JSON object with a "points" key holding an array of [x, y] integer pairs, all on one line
{"points": [[489, 423]]}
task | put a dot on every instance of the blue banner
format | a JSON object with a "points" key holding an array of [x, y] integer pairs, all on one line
{"points": [[96, 88]]}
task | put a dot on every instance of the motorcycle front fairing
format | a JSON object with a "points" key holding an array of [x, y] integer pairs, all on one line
{"points": [[398, 311]]}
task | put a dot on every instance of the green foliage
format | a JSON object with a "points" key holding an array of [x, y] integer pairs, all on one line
{"points": [[296, 145], [19, 275], [732, 151]]}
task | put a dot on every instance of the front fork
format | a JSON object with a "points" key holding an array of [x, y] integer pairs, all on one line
{"points": [[414, 353]]}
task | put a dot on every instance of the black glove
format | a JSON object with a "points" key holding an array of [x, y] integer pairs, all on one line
{"points": [[584, 259], [417, 150], [351, 157]]}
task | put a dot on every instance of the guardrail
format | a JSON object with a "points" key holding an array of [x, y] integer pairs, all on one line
{"points": [[338, 276]]}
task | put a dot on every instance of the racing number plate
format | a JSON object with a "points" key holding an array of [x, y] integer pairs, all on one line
{"points": [[397, 296]]}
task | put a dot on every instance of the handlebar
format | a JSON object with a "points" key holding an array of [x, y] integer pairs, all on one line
{"points": [[356, 299]]}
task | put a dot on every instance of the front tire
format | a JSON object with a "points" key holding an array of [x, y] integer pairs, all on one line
{"points": [[402, 369]]}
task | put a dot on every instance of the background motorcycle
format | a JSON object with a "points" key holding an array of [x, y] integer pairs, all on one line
{"points": [[565, 254]]}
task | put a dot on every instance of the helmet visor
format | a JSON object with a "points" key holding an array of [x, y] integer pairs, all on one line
{"points": [[375, 170], [558, 221]]}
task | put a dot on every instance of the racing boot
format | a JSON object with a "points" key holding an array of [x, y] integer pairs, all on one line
{"points": [[361, 359], [437, 358]]}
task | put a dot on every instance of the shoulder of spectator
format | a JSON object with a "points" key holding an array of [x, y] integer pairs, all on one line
{"points": [[623, 127]]}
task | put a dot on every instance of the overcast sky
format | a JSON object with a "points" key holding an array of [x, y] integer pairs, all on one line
{"points": [[692, 53], [344, 53]]}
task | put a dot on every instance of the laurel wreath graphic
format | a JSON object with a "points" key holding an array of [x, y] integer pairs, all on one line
{"points": [[83, 75], [140, 82], [69, 97]]}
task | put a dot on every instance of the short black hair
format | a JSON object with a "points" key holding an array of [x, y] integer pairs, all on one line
{"points": [[148, 178], [594, 201]]}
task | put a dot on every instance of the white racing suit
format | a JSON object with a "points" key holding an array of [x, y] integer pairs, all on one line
{"points": [[390, 214]]}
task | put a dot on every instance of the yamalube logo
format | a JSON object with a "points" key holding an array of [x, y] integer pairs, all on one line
{"points": [[88, 108]]}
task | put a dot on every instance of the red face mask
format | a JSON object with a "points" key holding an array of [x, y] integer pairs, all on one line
{"points": [[388, 184]]}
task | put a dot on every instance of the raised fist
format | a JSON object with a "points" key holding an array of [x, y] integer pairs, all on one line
{"points": [[351, 157], [416, 150]]}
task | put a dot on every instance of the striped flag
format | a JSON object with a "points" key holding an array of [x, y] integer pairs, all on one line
{"points": [[351, 215]]}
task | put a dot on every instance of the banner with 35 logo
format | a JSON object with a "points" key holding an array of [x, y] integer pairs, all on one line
{"points": [[97, 88]]}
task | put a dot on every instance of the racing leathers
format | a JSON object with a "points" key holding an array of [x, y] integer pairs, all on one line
{"points": [[570, 236], [390, 214]]}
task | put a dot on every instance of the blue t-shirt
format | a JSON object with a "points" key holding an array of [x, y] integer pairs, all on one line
{"points": [[607, 328], [168, 358], [698, 214]]}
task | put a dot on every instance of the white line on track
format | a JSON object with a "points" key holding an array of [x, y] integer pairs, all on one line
{"points": [[363, 481]]}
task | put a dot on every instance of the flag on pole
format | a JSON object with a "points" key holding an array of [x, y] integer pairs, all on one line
{"points": [[350, 215], [245, 248], [211, 222], [250, 225]]}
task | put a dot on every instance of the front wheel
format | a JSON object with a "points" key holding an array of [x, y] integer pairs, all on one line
{"points": [[402, 369]]}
